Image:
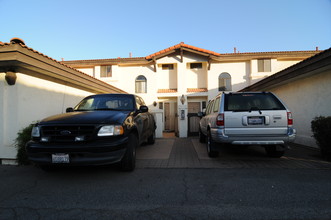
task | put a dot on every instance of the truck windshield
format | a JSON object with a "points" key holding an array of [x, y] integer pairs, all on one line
{"points": [[252, 102], [95, 103]]}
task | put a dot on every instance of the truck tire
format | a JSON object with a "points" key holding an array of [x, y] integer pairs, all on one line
{"points": [[128, 162]]}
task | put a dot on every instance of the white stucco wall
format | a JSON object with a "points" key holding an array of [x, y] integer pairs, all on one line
{"points": [[243, 73], [307, 98], [29, 100]]}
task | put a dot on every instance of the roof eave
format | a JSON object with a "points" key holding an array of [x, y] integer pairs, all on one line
{"points": [[311, 66], [21, 59]]}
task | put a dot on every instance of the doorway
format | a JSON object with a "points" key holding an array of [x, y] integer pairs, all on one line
{"points": [[193, 118]]}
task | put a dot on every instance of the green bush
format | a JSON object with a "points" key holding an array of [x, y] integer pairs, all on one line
{"points": [[23, 136], [321, 127]]}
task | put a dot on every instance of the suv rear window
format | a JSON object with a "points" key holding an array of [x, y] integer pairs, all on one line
{"points": [[252, 101]]}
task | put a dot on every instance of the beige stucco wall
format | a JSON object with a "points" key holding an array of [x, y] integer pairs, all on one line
{"points": [[29, 100], [307, 98]]}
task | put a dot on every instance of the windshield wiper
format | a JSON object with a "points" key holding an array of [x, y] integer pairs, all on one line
{"points": [[255, 109]]}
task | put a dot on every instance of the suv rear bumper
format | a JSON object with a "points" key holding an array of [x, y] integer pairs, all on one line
{"points": [[219, 136]]}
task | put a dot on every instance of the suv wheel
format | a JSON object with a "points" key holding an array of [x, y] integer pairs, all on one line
{"points": [[210, 146], [128, 162], [273, 152], [202, 137]]}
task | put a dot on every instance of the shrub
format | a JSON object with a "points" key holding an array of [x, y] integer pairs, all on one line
{"points": [[321, 127], [23, 136]]}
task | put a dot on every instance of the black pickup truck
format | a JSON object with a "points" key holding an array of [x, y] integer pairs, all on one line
{"points": [[102, 129]]}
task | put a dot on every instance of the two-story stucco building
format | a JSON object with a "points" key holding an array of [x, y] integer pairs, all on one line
{"points": [[177, 82]]}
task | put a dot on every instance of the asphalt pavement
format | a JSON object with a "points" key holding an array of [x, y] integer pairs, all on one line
{"points": [[175, 179]]}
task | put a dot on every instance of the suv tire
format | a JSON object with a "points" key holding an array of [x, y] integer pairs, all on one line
{"points": [[273, 152], [210, 146], [202, 137]]}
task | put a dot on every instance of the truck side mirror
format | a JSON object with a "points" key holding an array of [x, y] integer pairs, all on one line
{"points": [[69, 110], [143, 108]]}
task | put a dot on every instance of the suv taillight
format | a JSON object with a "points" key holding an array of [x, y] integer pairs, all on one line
{"points": [[289, 118], [220, 120]]}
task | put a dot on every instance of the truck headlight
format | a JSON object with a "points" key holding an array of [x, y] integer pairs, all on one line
{"points": [[110, 130], [35, 131]]}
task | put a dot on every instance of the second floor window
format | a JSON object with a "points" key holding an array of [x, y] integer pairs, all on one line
{"points": [[141, 84], [224, 82], [105, 71], [195, 65], [167, 66], [264, 65]]}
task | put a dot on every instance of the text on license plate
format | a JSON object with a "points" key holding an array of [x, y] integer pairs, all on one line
{"points": [[255, 120], [60, 158]]}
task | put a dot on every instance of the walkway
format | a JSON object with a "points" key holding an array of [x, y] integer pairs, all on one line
{"points": [[189, 153]]}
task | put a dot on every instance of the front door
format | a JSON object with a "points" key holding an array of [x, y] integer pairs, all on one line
{"points": [[169, 116], [193, 118]]}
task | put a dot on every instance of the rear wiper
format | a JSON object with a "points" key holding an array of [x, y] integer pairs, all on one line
{"points": [[255, 109]]}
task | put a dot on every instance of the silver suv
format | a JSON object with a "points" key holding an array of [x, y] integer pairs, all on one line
{"points": [[248, 118]]}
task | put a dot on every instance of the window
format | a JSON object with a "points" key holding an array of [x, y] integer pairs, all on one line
{"points": [[252, 101], [204, 104], [217, 104], [141, 84], [167, 66], [160, 105], [138, 102], [224, 82], [105, 71], [209, 107], [264, 65], [195, 65]]}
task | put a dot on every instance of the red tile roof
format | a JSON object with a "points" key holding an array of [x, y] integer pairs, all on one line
{"points": [[166, 90], [197, 90], [183, 45]]}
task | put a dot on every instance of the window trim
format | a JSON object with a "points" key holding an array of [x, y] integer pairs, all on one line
{"points": [[169, 66], [108, 74], [227, 79], [264, 65], [142, 84]]}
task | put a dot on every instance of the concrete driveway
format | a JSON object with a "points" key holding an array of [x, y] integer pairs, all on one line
{"points": [[190, 153]]}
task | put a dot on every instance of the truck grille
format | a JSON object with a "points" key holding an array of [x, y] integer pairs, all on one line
{"points": [[67, 133]]}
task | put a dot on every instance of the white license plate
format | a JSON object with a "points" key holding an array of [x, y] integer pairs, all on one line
{"points": [[255, 120], [60, 158]]}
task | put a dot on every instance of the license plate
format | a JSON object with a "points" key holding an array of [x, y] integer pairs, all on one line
{"points": [[60, 158], [255, 120]]}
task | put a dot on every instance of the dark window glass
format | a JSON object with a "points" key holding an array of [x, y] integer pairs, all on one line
{"points": [[167, 66], [195, 65], [252, 101]]}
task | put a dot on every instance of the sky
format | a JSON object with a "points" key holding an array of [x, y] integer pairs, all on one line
{"points": [[102, 29]]}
